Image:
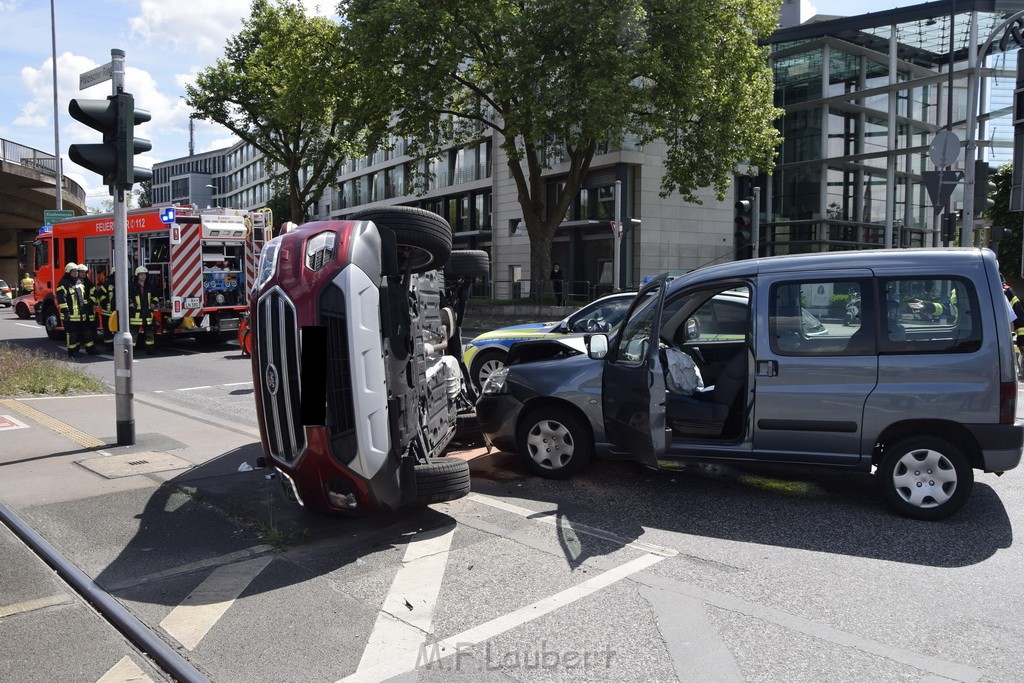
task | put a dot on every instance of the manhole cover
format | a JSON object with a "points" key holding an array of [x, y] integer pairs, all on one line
{"points": [[117, 466]]}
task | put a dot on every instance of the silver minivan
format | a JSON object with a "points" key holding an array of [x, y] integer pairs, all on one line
{"points": [[913, 375]]}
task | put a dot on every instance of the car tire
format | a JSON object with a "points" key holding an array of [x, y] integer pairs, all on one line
{"points": [[51, 321], [441, 480], [424, 238], [485, 364], [467, 263], [554, 442], [21, 310], [925, 477]]}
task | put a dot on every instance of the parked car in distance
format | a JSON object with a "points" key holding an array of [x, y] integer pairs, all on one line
{"points": [[922, 402], [24, 306], [486, 353], [6, 295]]}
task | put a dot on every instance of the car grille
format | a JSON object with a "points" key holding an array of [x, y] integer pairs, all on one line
{"points": [[340, 409], [279, 376]]}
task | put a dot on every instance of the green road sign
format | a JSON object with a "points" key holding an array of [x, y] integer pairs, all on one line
{"points": [[57, 215]]}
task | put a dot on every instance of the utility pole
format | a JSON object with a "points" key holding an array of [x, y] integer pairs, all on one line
{"points": [[617, 237]]}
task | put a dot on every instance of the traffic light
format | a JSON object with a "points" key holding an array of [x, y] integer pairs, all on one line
{"points": [[984, 188], [744, 225], [113, 159]]}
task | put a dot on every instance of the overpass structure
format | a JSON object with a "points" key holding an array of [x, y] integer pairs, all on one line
{"points": [[27, 188]]}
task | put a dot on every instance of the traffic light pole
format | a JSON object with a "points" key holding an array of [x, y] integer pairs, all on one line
{"points": [[123, 392]]}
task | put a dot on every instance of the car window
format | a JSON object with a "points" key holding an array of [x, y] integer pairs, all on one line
{"points": [[600, 316], [821, 318], [636, 333], [933, 315]]}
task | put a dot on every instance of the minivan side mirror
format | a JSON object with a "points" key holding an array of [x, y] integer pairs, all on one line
{"points": [[597, 346]]}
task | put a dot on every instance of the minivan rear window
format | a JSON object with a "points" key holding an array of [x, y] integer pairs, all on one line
{"points": [[929, 315]]}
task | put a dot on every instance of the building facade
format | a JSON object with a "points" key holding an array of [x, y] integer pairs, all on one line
{"points": [[863, 99]]}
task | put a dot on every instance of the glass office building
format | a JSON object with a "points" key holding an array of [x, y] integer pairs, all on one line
{"points": [[864, 98]]}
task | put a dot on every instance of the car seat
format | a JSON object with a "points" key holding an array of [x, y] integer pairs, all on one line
{"points": [[706, 413]]}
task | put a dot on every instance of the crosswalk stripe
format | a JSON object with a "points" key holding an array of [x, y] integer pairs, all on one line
{"points": [[190, 621], [125, 671], [405, 617]]}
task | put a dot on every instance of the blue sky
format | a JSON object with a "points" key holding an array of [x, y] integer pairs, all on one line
{"points": [[166, 42]]}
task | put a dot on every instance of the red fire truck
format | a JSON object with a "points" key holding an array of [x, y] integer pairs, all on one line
{"points": [[201, 263]]}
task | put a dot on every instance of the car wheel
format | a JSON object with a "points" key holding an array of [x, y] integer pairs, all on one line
{"points": [[467, 263], [22, 311], [554, 443], [485, 365], [424, 238], [51, 321], [925, 477], [441, 480]]}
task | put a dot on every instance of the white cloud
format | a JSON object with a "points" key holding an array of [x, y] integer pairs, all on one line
{"points": [[807, 10], [195, 26]]}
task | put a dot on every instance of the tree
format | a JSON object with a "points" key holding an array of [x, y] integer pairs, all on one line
{"points": [[145, 193], [281, 87], [1000, 216], [557, 78]]}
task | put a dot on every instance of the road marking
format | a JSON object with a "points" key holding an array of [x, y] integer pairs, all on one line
{"points": [[219, 561], [10, 422], [125, 671], [33, 605], [495, 627], [81, 438], [236, 384], [190, 621], [193, 388], [27, 325], [552, 517], [404, 620]]}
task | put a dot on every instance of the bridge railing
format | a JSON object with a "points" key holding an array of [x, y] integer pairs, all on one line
{"points": [[37, 160]]}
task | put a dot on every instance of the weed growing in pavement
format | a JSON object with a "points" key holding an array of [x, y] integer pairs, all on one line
{"points": [[27, 371]]}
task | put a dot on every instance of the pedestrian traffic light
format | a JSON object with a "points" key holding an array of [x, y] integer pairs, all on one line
{"points": [[984, 188], [744, 224], [114, 158]]}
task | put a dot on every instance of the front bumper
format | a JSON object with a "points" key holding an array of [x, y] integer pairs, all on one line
{"points": [[498, 415]]}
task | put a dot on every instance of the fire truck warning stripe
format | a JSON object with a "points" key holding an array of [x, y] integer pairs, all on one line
{"points": [[81, 438]]}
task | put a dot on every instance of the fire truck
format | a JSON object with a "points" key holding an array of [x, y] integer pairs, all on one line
{"points": [[201, 264]]}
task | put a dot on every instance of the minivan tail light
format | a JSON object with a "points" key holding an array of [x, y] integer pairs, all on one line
{"points": [[1007, 402]]}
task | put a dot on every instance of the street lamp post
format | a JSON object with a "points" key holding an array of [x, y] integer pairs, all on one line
{"points": [[214, 188]]}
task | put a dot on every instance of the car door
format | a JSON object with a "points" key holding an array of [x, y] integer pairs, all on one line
{"points": [[633, 383], [811, 388]]}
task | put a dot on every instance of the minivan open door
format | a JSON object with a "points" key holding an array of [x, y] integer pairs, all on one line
{"points": [[633, 384]]}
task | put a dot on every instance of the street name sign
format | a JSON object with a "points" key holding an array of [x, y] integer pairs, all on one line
{"points": [[97, 75], [57, 215]]}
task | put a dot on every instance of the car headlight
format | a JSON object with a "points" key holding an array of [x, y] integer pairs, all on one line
{"points": [[320, 249], [495, 384], [268, 263]]}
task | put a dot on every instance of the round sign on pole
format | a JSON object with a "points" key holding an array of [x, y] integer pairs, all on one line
{"points": [[945, 149]]}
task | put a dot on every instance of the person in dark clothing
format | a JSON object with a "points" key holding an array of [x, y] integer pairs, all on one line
{"points": [[140, 309], [75, 308], [556, 282]]}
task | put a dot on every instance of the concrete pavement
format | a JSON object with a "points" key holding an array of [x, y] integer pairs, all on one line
{"points": [[58, 451]]}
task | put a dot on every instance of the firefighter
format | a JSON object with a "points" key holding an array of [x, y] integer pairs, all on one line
{"points": [[27, 284], [106, 301], [140, 309], [76, 311]]}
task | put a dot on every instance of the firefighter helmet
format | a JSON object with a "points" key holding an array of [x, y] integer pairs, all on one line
{"points": [[82, 266], [70, 267], [141, 270]]}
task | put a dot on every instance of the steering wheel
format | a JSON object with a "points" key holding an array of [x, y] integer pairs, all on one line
{"points": [[592, 325]]}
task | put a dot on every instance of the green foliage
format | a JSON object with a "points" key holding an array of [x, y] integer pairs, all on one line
{"points": [[283, 87], [558, 78], [145, 193], [1000, 216], [27, 371]]}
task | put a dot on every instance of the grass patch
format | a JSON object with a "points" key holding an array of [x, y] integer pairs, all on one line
{"points": [[26, 371]]}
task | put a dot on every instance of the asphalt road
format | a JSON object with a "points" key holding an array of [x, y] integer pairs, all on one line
{"points": [[708, 573]]}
